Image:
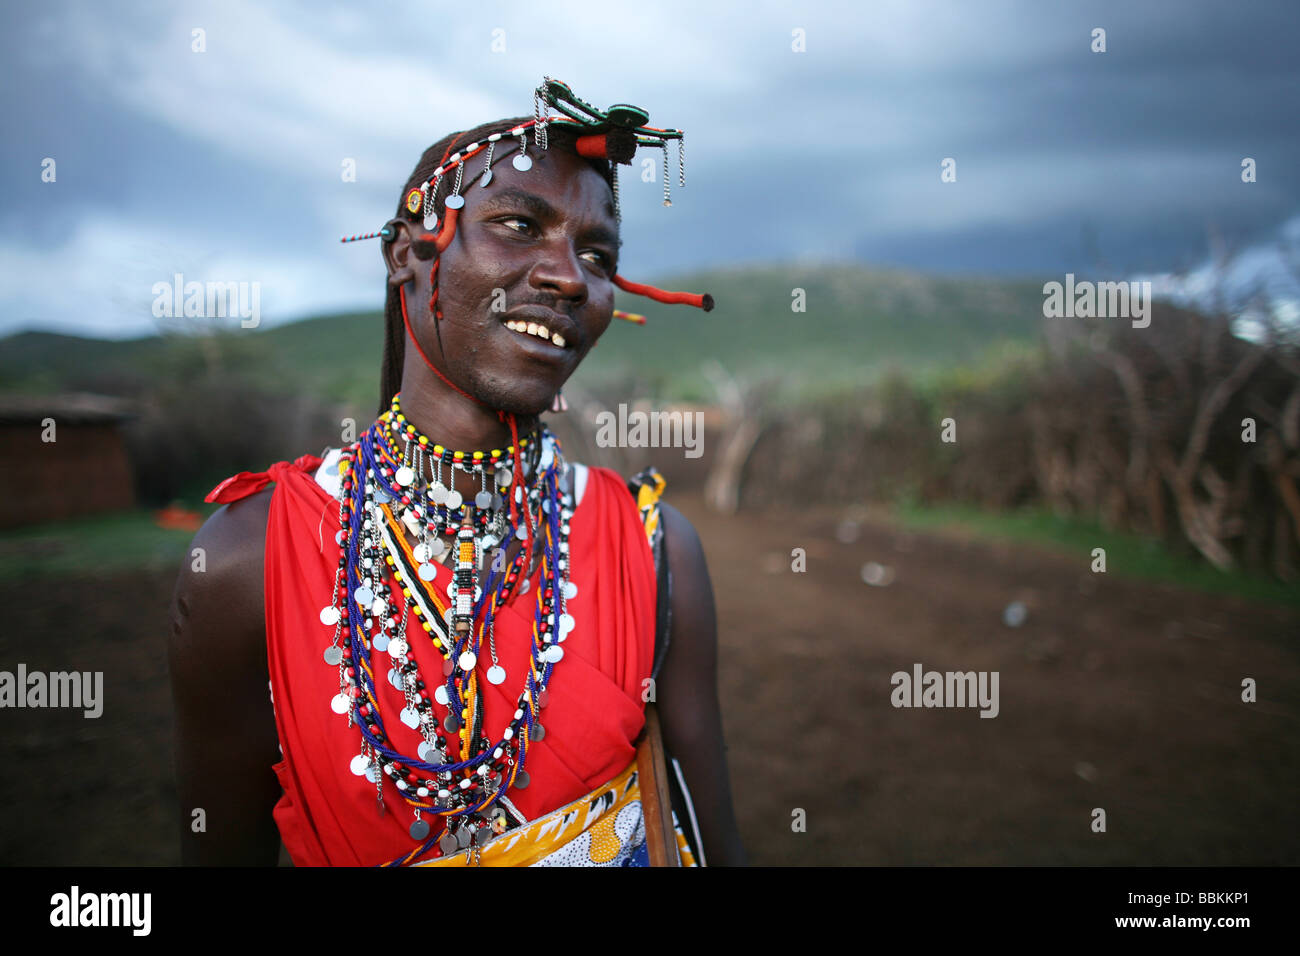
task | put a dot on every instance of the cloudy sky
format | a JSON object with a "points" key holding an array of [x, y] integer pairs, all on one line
{"points": [[226, 164]]}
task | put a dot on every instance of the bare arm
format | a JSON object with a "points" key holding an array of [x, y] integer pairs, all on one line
{"points": [[225, 739], [687, 692]]}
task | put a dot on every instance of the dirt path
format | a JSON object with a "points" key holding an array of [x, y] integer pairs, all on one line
{"points": [[1113, 694]]}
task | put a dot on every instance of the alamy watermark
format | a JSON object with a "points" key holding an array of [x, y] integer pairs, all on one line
{"points": [[639, 429], [208, 300], [1101, 300], [923, 688], [57, 689]]}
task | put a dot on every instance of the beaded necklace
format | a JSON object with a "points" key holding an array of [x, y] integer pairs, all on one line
{"points": [[458, 773]]}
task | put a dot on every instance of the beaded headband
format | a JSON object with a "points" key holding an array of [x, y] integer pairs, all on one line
{"points": [[614, 134]]}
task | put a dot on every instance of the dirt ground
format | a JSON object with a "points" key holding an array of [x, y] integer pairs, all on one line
{"points": [[1114, 694]]}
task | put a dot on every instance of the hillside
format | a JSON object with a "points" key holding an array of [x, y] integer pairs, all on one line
{"points": [[857, 320]]}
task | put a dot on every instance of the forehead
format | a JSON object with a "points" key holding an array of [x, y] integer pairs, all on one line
{"points": [[565, 183]]}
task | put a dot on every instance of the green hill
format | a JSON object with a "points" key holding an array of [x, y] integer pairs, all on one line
{"points": [[857, 321]]}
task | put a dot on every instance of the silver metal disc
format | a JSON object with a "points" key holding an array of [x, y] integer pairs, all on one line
{"points": [[553, 654], [364, 597], [380, 642], [329, 616], [428, 571], [438, 493], [427, 752], [496, 674], [359, 764], [431, 223], [420, 830], [450, 724], [454, 499], [454, 201], [504, 476], [438, 546], [339, 703], [447, 843], [395, 677], [483, 499], [333, 656], [570, 590], [397, 647], [372, 773], [486, 177], [522, 162], [409, 717], [521, 780], [467, 661], [463, 838], [405, 475], [537, 733], [440, 694]]}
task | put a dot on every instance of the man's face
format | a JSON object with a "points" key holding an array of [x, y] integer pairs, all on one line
{"points": [[537, 247]]}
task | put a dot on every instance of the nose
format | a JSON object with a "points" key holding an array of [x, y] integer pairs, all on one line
{"points": [[559, 272]]}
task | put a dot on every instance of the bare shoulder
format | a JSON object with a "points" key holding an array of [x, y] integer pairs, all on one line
{"points": [[218, 596]]}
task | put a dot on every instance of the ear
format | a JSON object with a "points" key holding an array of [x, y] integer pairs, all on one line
{"points": [[397, 253]]}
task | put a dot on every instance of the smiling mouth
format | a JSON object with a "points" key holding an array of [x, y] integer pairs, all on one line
{"points": [[535, 330]]}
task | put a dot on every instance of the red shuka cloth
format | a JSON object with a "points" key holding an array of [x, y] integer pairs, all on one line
{"points": [[327, 815]]}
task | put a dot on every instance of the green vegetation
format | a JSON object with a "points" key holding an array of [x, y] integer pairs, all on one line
{"points": [[858, 324], [1126, 555], [122, 541]]}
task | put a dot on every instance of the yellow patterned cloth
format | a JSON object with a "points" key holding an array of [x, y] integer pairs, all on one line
{"points": [[604, 828]]}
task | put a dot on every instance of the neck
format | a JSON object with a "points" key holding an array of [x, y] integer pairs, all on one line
{"points": [[452, 419]]}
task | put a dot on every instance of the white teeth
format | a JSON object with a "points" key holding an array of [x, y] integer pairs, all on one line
{"points": [[537, 329]]}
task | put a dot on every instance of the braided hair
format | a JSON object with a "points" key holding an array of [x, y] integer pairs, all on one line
{"points": [[558, 135]]}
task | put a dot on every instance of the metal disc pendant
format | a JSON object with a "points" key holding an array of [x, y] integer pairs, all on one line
{"points": [[395, 677], [566, 623], [380, 643], [382, 497], [463, 838], [552, 654], [543, 698], [447, 843], [451, 724], [421, 553], [428, 571], [329, 616], [440, 694], [372, 774], [333, 656], [454, 201], [427, 752], [537, 733], [570, 590], [420, 830], [410, 717], [454, 499], [521, 780], [397, 648], [447, 666], [483, 500], [438, 493], [359, 764], [405, 475], [496, 674], [364, 597], [504, 476], [339, 703], [437, 546], [522, 162], [485, 178], [467, 661], [431, 223]]}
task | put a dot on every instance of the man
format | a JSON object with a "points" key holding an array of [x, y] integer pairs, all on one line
{"points": [[539, 236]]}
